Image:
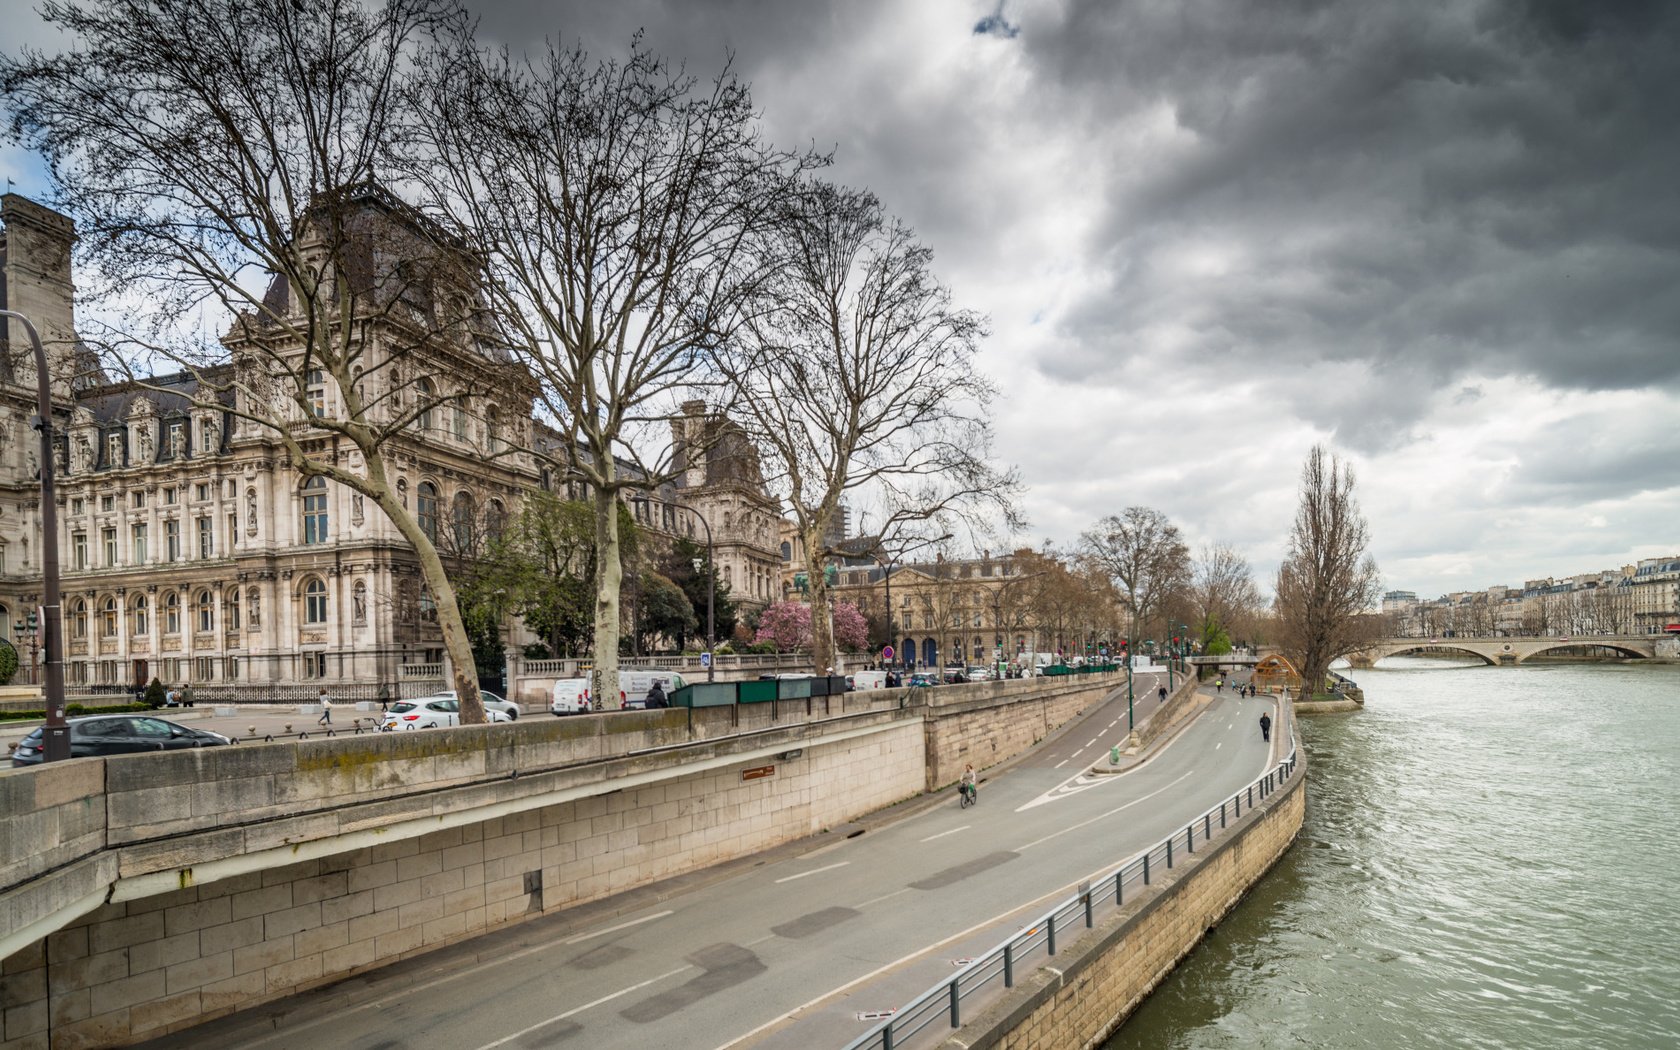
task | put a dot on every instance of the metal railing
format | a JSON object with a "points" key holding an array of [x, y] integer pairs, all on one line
{"points": [[1037, 941]]}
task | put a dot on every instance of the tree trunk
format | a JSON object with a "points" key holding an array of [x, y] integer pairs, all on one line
{"points": [[455, 640], [609, 576], [822, 622]]}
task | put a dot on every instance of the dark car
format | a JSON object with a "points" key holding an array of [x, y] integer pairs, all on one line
{"points": [[920, 680], [99, 735], [955, 676]]}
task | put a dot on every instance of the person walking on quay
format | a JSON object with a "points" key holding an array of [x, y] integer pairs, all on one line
{"points": [[326, 708], [1265, 727], [1163, 693], [1219, 685], [186, 695]]}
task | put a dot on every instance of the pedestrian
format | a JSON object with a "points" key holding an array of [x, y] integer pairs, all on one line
{"points": [[326, 708], [171, 698], [656, 695], [1219, 685], [186, 695], [1265, 726], [1163, 693]]}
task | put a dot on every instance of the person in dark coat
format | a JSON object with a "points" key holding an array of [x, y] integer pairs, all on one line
{"points": [[1265, 726], [656, 696]]}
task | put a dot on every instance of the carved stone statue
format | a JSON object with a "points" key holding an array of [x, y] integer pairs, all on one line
{"points": [[84, 453], [251, 511], [146, 449], [359, 603], [356, 509], [254, 600]]}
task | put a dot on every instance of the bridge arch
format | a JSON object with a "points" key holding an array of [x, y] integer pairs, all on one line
{"points": [[1435, 647], [1629, 651]]}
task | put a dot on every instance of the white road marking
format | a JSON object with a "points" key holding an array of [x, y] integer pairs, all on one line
{"points": [[1114, 723], [1219, 745], [814, 871], [1101, 816], [942, 834], [1091, 741], [1062, 763], [506, 1039], [884, 896], [614, 929]]}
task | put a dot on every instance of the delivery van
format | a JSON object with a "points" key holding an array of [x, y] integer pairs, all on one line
{"points": [[571, 697], [869, 680], [634, 683]]}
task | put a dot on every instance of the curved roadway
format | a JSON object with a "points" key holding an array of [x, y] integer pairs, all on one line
{"points": [[790, 948]]}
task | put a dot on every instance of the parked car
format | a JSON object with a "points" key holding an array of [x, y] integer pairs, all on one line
{"points": [[923, 680], [981, 674], [99, 735], [430, 712], [955, 676], [571, 697], [492, 702]]}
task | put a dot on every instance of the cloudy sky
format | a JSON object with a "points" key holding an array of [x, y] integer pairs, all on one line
{"points": [[1442, 238]]}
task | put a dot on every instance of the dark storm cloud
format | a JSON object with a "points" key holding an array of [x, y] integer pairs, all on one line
{"points": [[1483, 188]]}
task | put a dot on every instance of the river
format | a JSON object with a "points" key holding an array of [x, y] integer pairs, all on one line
{"points": [[1488, 860]]}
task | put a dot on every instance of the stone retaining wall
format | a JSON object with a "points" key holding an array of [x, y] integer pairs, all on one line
{"points": [[132, 970], [991, 722], [1096, 982]]}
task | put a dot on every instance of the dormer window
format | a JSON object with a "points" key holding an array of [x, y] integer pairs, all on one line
{"points": [[316, 393]]}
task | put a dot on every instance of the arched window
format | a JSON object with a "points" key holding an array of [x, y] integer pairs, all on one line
{"points": [[787, 551], [428, 605], [315, 510], [495, 520], [426, 394], [230, 607], [461, 520], [206, 612], [78, 619], [315, 601], [426, 509], [137, 615], [172, 613], [108, 619]]}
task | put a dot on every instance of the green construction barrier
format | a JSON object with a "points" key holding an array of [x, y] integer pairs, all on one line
{"points": [[760, 692], [705, 694]]}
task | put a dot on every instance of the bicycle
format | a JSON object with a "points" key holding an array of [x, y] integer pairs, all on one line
{"points": [[967, 795]]}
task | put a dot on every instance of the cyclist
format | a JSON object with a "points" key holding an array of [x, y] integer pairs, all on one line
{"points": [[969, 788]]}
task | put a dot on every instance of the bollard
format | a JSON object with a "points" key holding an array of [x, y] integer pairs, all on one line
{"points": [[956, 1010], [1169, 854], [1009, 965], [1146, 869], [1119, 892], [1051, 939]]}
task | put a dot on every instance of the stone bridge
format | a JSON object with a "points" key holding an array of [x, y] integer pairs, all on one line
{"points": [[1497, 651]]}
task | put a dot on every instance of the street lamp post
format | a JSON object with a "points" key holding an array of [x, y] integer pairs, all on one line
{"points": [[55, 733], [886, 577], [711, 587], [29, 628]]}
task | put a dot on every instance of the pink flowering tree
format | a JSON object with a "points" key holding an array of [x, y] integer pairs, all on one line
{"points": [[786, 625], [851, 630]]}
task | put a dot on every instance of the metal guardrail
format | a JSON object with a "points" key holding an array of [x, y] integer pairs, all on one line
{"points": [[1037, 941]]}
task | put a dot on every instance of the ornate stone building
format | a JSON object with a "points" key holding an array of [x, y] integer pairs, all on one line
{"points": [[192, 551]]}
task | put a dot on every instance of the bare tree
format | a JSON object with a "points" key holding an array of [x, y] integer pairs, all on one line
{"points": [[224, 156], [856, 376], [1145, 556], [1328, 584], [612, 203], [1222, 595]]}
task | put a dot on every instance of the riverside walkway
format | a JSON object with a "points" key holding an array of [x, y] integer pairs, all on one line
{"points": [[797, 946]]}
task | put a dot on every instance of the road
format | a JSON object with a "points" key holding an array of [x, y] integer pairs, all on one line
{"points": [[786, 950]]}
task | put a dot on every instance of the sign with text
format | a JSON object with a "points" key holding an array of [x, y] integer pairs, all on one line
{"points": [[758, 772]]}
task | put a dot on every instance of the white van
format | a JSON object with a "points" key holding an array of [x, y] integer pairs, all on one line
{"points": [[869, 680], [571, 696], [634, 683]]}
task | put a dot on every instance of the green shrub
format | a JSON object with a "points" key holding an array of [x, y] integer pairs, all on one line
{"points": [[156, 694], [8, 662]]}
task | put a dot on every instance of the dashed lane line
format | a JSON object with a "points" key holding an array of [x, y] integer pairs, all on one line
{"points": [[580, 938], [506, 1039], [1103, 816], [814, 871], [942, 834]]}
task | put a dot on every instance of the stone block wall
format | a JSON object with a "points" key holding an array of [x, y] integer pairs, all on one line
{"points": [[1097, 981], [1003, 721], [134, 970]]}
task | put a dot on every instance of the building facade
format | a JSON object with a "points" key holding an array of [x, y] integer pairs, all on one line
{"points": [[191, 550]]}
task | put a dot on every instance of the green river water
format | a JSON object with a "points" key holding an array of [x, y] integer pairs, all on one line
{"points": [[1489, 860]]}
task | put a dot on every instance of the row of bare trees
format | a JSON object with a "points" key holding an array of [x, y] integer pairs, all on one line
{"points": [[379, 201]]}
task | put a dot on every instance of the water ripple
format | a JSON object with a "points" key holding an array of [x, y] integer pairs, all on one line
{"points": [[1486, 863]]}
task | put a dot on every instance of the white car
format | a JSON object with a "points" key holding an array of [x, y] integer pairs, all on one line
{"points": [[430, 712], [492, 702], [980, 674]]}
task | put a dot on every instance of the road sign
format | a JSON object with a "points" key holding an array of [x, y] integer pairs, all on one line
{"points": [[705, 659], [886, 652]]}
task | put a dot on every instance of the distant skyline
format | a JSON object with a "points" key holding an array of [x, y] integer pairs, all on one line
{"points": [[1442, 239]]}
